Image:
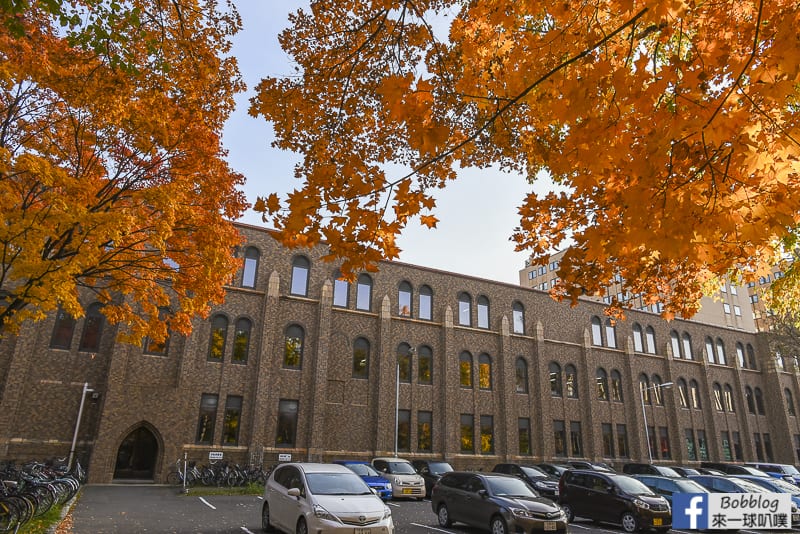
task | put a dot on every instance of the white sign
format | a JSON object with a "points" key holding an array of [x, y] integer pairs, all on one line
{"points": [[215, 455], [284, 457], [732, 511]]}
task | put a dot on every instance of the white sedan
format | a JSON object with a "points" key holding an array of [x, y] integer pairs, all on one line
{"points": [[308, 497]]}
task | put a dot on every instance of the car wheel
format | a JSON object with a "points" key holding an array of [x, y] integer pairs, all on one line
{"points": [[629, 523], [302, 528], [443, 514], [568, 512], [498, 525], [265, 525]]}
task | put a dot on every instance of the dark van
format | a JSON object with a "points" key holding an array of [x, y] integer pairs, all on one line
{"points": [[613, 498]]}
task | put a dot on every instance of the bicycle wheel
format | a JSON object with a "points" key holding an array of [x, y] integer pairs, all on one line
{"points": [[8, 517], [174, 478]]}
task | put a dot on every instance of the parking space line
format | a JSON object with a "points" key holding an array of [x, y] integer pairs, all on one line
{"points": [[246, 530], [593, 528], [393, 504], [433, 528], [207, 503]]}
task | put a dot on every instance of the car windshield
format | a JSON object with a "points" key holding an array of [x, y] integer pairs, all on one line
{"points": [[667, 471], [437, 468], [755, 472], [688, 471], [790, 470], [631, 486], [509, 487], [533, 472], [336, 484], [781, 486], [363, 470], [749, 487], [690, 486], [400, 468]]}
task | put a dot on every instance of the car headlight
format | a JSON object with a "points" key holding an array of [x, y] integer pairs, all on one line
{"points": [[539, 485], [519, 512], [794, 508], [387, 513], [641, 504], [398, 481], [322, 513]]}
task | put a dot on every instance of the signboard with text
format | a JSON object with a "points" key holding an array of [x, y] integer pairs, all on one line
{"points": [[732, 511]]}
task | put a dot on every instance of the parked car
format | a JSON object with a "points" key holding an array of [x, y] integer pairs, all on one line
{"points": [[370, 475], [406, 482], [787, 472], [500, 503], [595, 466], [734, 469], [554, 470], [709, 471], [727, 484], [777, 485], [649, 469], [685, 471], [667, 486], [613, 498], [431, 471], [307, 497], [544, 484]]}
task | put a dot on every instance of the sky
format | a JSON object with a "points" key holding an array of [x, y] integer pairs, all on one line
{"points": [[477, 212]]}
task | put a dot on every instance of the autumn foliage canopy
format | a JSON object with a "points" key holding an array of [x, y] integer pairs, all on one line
{"points": [[670, 127], [113, 182]]}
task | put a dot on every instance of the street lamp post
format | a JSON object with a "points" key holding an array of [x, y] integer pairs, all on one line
{"points": [[86, 389], [644, 414]]}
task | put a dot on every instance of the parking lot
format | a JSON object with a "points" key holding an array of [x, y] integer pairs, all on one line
{"points": [[124, 509]]}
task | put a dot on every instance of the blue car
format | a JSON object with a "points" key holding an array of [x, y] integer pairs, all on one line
{"points": [[371, 476], [776, 485]]}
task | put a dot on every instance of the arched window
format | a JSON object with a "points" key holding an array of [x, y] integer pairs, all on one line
{"points": [[694, 395], [465, 369], [611, 334], [364, 292], [62, 331], [658, 397], [153, 347], [751, 357], [683, 393], [740, 355], [687, 346], [518, 318], [675, 343], [294, 339], [404, 362], [404, 299], [571, 381], [759, 401], [644, 389], [425, 303], [602, 384], [483, 312], [92, 329], [650, 340], [556, 388], [464, 309], [710, 354], [241, 340], [638, 338], [616, 386], [728, 399], [216, 343], [484, 372], [748, 397], [521, 375], [251, 256], [341, 290], [300, 267], [789, 402], [361, 358], [717, 396], [597, 331], [721, 353], [425, 363]]}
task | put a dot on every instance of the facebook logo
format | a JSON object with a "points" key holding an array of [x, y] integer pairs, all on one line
{"points": [[690, 510]]}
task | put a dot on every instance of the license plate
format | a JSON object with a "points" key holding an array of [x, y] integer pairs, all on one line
{"points": [[360, 531], [795, 518], [406, 491], [657, 521], [549, 525], [555, 493]]}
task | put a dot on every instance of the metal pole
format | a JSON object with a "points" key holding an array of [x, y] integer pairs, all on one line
{"points": [[78, 424], [646, 431], [184, 490], [396, 406]]}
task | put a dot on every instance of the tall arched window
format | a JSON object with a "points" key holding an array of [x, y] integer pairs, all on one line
{"points": [[687, 346], [597, 331], [650, 340], [751, 357], [728, 398], [518, 318], [92, 329], [694, 395], [717, 389], [658, 397], [361, 358], [483, 312], [602, 384], [364, 292], [556, 387], [464, 309], [250, 269], [748, 397], [425, 365], [341, 290], [294, 339], [616, 386], [638, 338], [300, 268], [789, 402], [404, 299], [710, 354], [404, 362], [721, 359], [571, 381], [521, 375], [740, 355], [465, 369], [484, 372], [683, 393], [759, 401], [425, 303], [675, 343], [611, 334], [62, 331], [216, 343], [644, 389], [241, 340]]}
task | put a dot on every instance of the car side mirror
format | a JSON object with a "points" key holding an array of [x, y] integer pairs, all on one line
{"points": [[294, 492], [611, 490], [482, 493]]}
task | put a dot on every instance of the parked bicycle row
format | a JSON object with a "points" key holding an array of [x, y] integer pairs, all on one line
{"points": [[216, 474], [32, 489]]}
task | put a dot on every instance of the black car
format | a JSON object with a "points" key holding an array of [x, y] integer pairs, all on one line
{"points": [[649, 469], [543, 483], [613, 498], [595, 466], [554, 470], [685, 471], [502, 504], [431, 471]]}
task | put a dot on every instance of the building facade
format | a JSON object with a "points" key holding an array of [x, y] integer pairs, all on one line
{"points": [[406, 360]]}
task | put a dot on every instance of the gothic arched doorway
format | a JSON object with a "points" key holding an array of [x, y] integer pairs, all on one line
{"points": [[137, 455]]}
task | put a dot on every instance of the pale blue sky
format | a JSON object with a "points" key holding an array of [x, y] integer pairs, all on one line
{"points": [[476, 213]]}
